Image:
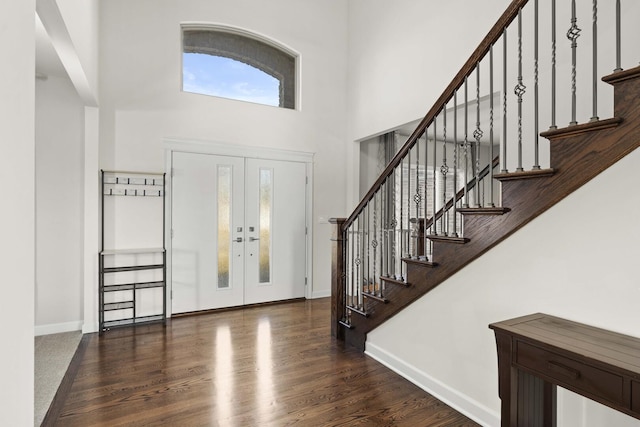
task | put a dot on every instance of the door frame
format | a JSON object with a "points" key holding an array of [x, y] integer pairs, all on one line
{"points": [[172, 145]]}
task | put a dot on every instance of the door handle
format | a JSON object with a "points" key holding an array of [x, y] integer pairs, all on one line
{"points": [[253, 239], [239, 239]]}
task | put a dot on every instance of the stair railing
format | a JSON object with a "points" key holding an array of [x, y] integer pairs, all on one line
{"points": [[489, 113]]}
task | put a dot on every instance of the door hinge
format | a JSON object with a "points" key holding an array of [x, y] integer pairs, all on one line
{"points": [[305, 281], [306, 231], [306, 179], [171, 294], [173, 172], [171, 233]]}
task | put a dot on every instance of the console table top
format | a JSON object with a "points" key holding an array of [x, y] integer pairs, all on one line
{"points": [[593, 345]]}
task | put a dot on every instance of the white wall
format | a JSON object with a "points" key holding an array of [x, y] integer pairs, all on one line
{"points": [[563, 263], [402, 55], [141, 100], [59, 206], [17, 216]]}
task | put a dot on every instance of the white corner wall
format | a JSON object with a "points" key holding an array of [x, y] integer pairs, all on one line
{"points": [[141, 102], [59, 134], [17, 216], [571, 262]]}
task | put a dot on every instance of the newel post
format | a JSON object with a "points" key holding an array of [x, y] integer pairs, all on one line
{"points": [[337, 277]]}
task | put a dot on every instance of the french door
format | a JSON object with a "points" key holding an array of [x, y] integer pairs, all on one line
{"points": [[238, 231]]}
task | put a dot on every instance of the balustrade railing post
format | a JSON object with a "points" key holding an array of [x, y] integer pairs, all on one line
{"points": [[417, 198], [572, 35], [504, 102], [434, 228], [520, 90], [553, 65], [594, 117], [426, 193], [466, 145], [477, 134], [618, 42], [536, 121], [444, 169], [491, 195], [454, 233], [338, 275]]}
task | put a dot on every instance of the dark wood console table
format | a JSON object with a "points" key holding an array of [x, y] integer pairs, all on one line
{"points": [[538, 352]]}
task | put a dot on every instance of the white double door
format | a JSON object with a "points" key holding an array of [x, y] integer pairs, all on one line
{"points": [[238, 231]]}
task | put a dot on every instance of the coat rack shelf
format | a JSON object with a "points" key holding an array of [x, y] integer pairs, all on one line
{"points": [[132, 281]]}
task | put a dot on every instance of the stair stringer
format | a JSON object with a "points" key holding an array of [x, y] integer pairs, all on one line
{"points": [[578, 154]]}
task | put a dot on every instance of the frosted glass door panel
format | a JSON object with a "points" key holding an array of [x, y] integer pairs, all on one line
{"points": [[275, 249], [207, 220]]}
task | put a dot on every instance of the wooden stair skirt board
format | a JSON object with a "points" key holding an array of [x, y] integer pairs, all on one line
{"points": [[578, 154]]}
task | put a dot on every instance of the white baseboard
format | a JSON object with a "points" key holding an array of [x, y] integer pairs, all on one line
{"points": [[321, 294], [57, 328], [458, 401]]}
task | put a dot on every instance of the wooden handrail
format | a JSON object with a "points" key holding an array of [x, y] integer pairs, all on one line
{"points": [[481, 51]]}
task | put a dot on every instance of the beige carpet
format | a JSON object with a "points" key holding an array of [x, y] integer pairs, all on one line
{"points": [[52, 356]]}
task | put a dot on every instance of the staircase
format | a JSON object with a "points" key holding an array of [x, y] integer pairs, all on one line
{"points": [[438, 206]]}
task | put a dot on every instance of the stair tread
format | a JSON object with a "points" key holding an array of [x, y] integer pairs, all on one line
{"points": [[395, 281], [622, 75], [574, 130], [484, 211], [535, 173], [422, 262], [375, 297], [357, 310], [448, 239]]}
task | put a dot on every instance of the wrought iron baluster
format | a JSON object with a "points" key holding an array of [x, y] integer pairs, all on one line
{"points": [[454, 233], [366, 236], [409, 196], [426, 194], [618, 42], [553, 65], [393, 224], [519, 90], [594, 117], [477, 134], [491, 195], [353, 263], [434, 228], [504, 102], [572, 35], [466, 145], [374, 242], [344, 277], [417, 198], [536, 121], [401, 252], [444, 169]]}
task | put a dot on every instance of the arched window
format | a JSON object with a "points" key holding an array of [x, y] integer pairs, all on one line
{"points": [[232, 64]]}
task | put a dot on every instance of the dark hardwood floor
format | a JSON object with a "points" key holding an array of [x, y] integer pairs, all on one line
{"points": [[273, 365]]}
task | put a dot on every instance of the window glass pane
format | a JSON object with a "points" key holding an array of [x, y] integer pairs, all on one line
{"points": [[224, 226], [266, 189], [227, 78]]}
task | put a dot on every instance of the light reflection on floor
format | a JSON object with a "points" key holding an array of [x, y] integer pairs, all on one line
{"points": [[265, 395], [223, 379]]}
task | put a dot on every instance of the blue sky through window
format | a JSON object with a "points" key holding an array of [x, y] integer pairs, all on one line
{"points": [[227, 78]]}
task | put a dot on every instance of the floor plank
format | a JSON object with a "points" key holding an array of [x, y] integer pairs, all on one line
{"points": [[262, 366]]}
